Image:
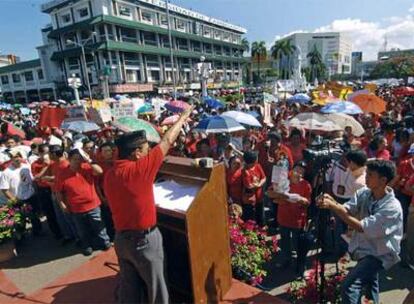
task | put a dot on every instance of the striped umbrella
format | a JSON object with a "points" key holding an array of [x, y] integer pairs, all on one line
{"points": [[131, 124], [218, 124], [345, 107]]}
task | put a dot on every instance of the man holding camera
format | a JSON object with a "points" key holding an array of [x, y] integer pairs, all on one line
{"points": [[375, 216]]}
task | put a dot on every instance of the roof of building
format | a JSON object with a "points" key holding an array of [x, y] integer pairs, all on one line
{"points": [[20, 66]]}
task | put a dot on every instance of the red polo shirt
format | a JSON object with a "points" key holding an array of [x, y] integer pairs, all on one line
{"points": [[37, 167], [251, 176], [78, 188], [57, 167], [128, 186], [235, 185], [294, 215]]}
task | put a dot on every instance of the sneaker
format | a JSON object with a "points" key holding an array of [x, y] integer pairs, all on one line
{"points": [[87, 251]]}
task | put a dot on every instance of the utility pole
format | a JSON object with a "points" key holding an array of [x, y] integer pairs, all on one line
{"points": [[171, 50]]}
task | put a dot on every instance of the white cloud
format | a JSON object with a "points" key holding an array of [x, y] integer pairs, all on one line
{"points": [[369, 37], [411, 10]]}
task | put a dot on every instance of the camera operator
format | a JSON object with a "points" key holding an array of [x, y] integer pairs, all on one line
{"points": [[375, 215], [347, 175]]}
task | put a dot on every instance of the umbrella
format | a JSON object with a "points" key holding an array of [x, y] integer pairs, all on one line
{"points": [[323, 102], [299, 98], [177, 106], [218, 124], [284, 95], [404, 91], [254, 114], [370, 103], [243, 118], [33, 105], [345, 107], [80, 126], [14, 130], [345, 120], [350, 97], [313, 121], [213, 103], [131, 124], [5, 106], [145, 109], [171, 120], [17, 105]]}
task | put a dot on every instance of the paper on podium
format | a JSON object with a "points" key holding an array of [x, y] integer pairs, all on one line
{"points": [[173, 196]]}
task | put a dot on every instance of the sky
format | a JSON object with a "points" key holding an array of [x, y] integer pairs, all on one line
{"points": [[367, 22]]}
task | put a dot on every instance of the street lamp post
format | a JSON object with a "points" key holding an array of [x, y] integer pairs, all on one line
{"points": [[171, 50], [83, 61]]}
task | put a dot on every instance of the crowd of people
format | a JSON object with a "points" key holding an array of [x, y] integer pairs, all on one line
{"points": [[87, 187]]}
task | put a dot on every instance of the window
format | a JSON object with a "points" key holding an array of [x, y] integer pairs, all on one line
{"points": [[69, 40], [28, 76], [163, 20], [182, 44], [207, 31], [73, 63], [16, 78], [125, 11], [5, 79], [131, 76], [180, 24], [207, 48], [147, 16], [83, 12], [128, 35], [165, 41], [227, 51], [217, 49], [40, 75], [226, 36], [152, 61], [217, 34], [132, 59], [154, 76], [197, 28], [196, 46], [149, 38], [66, 18]]}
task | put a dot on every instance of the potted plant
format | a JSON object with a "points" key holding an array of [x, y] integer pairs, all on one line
{"points": [[251, 248], [13, 219]]}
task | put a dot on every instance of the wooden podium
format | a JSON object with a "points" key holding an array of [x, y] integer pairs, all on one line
{"points": [[196, 240]]}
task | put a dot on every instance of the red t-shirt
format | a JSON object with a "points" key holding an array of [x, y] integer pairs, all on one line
{"points": [[252, 175], [37, 167], [191, 146], [235, 185], [128, 186], [297, 152], [294, 215], [78, 188], [405, 170], [384, 154], [105, 168], [56, 168], [267, 164]]}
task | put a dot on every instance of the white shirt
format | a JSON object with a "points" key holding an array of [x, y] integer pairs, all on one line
{"points": [[343, 177], [19, 181]]}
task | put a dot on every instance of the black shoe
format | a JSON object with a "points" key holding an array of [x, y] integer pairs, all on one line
{"points": [[87, 251]]}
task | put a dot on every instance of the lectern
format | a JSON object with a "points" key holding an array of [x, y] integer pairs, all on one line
{"points": [[192, 216]]}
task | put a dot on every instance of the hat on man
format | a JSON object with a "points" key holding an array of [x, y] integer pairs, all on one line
{"points": [[16, 152]]}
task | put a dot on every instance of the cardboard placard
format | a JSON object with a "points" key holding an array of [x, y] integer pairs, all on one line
{"points": [[123, 110], [76, 113], [100, 116]]}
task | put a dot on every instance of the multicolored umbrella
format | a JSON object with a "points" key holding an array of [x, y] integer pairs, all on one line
{"points": [[219, 124], [345, 107], [177, 106], [370, 103], [131, 124], [80, 126], [351, 97], [214, 103], [145, 109], [243, 118]]}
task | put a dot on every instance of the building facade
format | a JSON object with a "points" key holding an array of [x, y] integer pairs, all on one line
{"points": [[335, 49], [126, 44], [8, 59]]}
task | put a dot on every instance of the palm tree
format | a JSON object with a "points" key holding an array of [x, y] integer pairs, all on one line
{"points": [[290, 49], [258, 50], [316, 63], [277, 52], [282, 51], [245, 45]]}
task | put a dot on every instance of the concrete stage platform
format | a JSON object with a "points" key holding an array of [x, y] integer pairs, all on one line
{"points": [[95, 282]]}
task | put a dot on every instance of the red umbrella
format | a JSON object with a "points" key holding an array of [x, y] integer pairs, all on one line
{"points": [[404, 91], [177, 106], [13, 130]]}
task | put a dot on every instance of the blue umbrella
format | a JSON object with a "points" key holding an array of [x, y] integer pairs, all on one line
{"points": [[345, 107], [218, 124], [213, 103], [299, 98], [80, 126], [254, 114], [146, 108]]}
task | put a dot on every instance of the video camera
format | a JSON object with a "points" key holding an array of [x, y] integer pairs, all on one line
{"points": [[321, 153]]}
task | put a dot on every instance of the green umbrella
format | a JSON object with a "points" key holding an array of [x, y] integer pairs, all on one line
{"points": [[17, 105], [130, 124]]}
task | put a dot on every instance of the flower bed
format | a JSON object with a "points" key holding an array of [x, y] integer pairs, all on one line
{"points": [[13, 218], [308, 289], [251, 248]]}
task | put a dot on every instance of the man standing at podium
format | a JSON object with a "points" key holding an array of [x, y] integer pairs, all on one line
{"points": [[128, 186]]}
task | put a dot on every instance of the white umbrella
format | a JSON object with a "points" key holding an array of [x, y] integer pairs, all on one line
{"points": [[314, 122], [345, 120], [243, 118]]}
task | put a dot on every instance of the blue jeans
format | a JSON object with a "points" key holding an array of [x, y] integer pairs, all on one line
{"points": [[65, 221], [91, 229], [365, 274]]}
